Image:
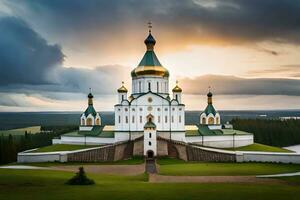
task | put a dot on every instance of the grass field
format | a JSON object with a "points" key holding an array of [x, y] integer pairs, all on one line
{"points": [[21, 131], [63, 147], [260, 147], [175, 167], [136, 160], [48, 185]]}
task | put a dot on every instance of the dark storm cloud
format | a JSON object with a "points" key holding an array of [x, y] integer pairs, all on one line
{"points": [[28, 63], [25, 57], [218, 20], [234, 85]]}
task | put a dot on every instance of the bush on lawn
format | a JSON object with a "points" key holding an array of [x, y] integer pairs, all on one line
{"points": [[80, 178]]}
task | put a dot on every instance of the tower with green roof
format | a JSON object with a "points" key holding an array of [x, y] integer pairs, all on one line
{"points": [[89, 117], [210, 116]]}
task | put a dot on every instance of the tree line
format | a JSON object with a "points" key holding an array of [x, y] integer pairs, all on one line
{"points": [[12, 144], [274, 132]]}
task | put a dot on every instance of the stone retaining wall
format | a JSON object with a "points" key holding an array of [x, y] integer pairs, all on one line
{"points": [[95, 155]]}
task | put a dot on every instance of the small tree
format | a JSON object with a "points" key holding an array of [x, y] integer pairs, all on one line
{"points": [[80, 179]]}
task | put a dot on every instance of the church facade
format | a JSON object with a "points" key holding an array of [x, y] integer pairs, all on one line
{"points": [[149, 101], [150, 112]]}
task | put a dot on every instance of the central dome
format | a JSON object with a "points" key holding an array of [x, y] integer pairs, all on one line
{"points": [[150, 64]]}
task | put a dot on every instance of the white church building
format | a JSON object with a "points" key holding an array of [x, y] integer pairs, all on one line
{"points": [[150, 111]]}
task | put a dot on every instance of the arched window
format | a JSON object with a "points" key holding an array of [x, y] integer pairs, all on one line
{"points": [[176, 96], [166, 89], [126, 119], [158, 119], [166, 119], [150, 143], [119, 119], [150, 135], [172, 119], [211, 120], [82, 122], [203, 120], [140, 87], [157, 86], [217, 120], [89, 122], [141, 119], [122, 97], [132, 119], [179, 119], [97, 121], [149, 86]]}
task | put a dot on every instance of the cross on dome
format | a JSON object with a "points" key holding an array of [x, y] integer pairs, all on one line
{"points": [[149, 26]]}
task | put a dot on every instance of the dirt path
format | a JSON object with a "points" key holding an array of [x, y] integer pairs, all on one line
{"points": [[154, 178], [105, 169]]}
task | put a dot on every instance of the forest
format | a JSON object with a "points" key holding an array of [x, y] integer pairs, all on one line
{"points": [[12, 144], [272, 132]]}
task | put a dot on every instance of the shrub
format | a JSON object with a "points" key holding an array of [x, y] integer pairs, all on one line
{"points": [[80, 179]]}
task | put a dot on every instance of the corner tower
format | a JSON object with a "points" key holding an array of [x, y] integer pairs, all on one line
{"points": [[210, 116], [90, 117]]}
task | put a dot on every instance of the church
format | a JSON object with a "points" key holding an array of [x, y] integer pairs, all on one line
{"points": [[151, 112]]}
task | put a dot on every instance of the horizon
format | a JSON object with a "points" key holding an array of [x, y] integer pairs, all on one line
{"points": [[64, 49]]}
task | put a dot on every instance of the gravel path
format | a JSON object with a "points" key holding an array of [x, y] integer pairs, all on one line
{"points": [[154, 178]]}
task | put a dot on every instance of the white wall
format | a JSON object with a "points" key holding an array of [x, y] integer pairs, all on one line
{"points": [[141, 107], [222, 141], [86, 140], [244, 156], [60, 156], [163, 84]]}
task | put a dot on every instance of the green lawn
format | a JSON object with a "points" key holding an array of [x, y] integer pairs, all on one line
{"points": [[291, 179], [48, 185], [136, 160], [259, 147], [21, 131], [63, 147], [181, 168]]}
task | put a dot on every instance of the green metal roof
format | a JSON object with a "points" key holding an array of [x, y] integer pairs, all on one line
{"points": [[203, 130], [90, 110], [150, 59], [97, 131], [210, 109], [150, 125]]}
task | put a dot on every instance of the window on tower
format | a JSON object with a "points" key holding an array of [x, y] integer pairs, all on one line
{"points": [[141, 119], [132, 119], [150, 143], [149, 86], [157, 86], [158, 119], [126, 119], [179, 118], [140, 87], [150, 135], [166, 119], [119, 119]]}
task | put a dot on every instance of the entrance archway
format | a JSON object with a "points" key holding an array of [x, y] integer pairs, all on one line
{"points": [[150, 154]]}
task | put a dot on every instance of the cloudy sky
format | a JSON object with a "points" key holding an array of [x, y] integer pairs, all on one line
{"points": [[52, 51]]}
